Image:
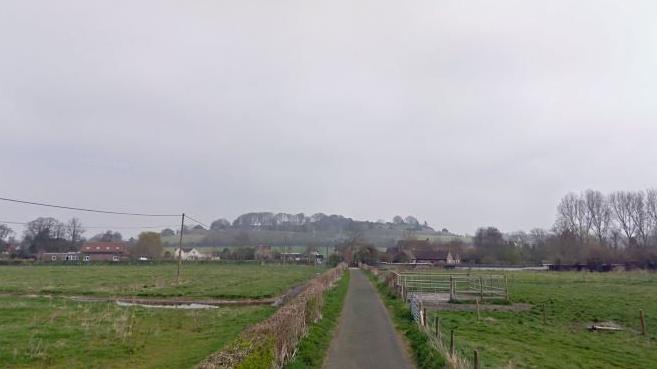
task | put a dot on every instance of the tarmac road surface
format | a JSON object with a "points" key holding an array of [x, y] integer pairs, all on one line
{"points": [[366, 338]]}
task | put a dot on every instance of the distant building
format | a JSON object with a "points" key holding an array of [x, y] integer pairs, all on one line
{"points": [[263, 252], [429, 256], [291, 256], [302, 258], [8, 249], [189, 254], [422, 252], [60, 257], [104, 251]]}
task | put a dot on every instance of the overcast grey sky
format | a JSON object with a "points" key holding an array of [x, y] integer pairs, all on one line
{"points": [[462, 113]]}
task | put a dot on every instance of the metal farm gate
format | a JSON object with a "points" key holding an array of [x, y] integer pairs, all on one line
{"points": [[452, 286]]}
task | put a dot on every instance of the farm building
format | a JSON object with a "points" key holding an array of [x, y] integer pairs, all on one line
{"points": [[104, 251], [189, 254]]}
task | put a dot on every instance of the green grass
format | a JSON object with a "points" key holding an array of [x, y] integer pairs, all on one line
{"points": [[157, 280], [573, 301], [59, 333], [313, 347], [426, 357]]}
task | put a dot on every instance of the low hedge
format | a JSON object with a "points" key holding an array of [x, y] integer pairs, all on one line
{"points": [[314, 346], [273, 342]]}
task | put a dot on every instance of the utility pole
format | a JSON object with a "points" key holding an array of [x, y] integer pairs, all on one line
{"points": [[182, 227]]}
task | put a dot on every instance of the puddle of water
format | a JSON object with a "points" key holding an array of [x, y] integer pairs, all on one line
{"points": [[181, 306]]}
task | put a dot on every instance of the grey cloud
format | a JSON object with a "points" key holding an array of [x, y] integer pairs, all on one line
{"points": [[461, 113]]}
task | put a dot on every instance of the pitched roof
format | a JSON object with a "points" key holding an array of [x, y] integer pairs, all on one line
{"points": [[428, 254], [104, 248]]}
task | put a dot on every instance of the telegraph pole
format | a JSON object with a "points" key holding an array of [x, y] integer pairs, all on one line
{"points": [[182, 227]]}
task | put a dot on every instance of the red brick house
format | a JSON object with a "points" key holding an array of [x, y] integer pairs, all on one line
{"points": [[104, 251]]}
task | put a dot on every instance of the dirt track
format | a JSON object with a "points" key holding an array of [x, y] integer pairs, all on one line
{"points": [[366, 338]]}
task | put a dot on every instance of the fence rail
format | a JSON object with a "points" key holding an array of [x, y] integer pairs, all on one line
{"points": [[457, 285]]}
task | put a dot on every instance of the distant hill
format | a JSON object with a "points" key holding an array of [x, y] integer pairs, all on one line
{"points": [[299, 229]]}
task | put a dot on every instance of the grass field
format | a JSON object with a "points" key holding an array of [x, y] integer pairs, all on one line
{"points": [[58, 333], [198, 280], [573, 302], [40, 327]]}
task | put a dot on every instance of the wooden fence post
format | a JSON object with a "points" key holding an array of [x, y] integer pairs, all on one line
{"points": [[643, 322], [424, 313], [476, 359], [451, 289], [435, 323], [451, 343], [506, 288], [421, 312], [478, 314], [481, 287]]}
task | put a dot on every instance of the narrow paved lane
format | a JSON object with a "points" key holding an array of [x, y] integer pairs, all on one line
{"points": [[366, 338]]}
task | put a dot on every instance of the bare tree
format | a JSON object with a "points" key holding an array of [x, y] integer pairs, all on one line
{"points": [[615, 237], [108, 236], [651, 210], [5, 231], [74, 230], [622, 208], [599, 214], [45, 226], [640, 216], [573, 216]]}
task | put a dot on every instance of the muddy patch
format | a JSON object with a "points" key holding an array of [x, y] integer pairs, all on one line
{"points": [[191, 306]]}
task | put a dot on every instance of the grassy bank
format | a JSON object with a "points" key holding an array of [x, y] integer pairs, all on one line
{"points": [[198, 280], [58, 333], [426, 357], [314, 346], [573, 301]]}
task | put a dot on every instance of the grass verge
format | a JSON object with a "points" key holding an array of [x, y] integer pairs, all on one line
{"points": [[313, 347], [426, 357]]}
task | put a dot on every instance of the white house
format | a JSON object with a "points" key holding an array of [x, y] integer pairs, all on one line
{"points": [[189, 254]]}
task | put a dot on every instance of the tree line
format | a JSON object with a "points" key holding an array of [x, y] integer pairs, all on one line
{"points": [[46, 234], [590, 228]]}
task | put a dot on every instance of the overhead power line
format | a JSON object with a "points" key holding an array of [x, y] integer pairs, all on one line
{"points": [[101, 227], [196, 221], [87, 210]]}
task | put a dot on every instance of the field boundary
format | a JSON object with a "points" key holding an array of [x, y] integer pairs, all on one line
{"points": [[273, 342], [313, 348]]}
